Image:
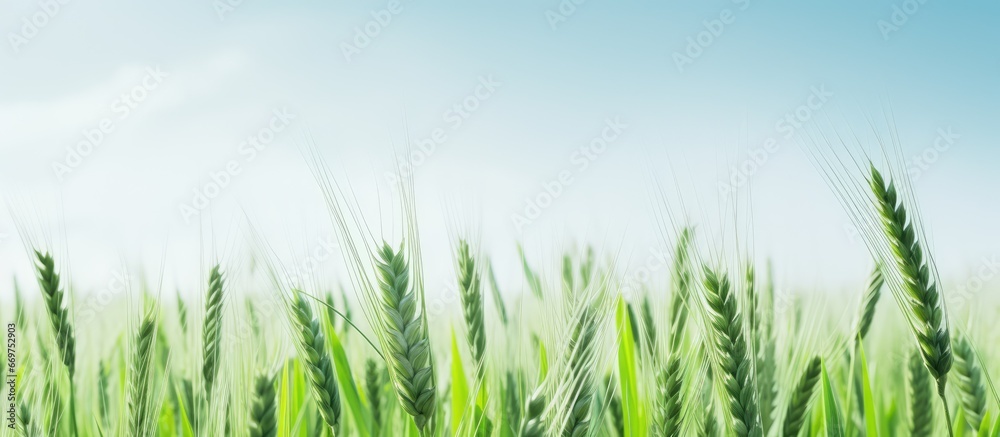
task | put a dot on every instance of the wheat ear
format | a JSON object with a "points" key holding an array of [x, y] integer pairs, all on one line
{"points": [[579, 375], [62, 326], [731, 358], [373, 389], [798, 404], [917, 293], [921, 394], [471, 293], [405, 338], [212, 329], [669, 401], [869, 303], [263, 422], [923, 306], [319, 367], [139, 390], [968, 379]]}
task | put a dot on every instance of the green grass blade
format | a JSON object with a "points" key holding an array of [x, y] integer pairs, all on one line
{"points": [[831, 411], [459, 386], [984, 428], [631, 406], [348, 388], [871, 419]]}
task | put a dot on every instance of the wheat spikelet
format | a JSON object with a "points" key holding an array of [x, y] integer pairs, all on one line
{"points": [[311, 345], [212, 329], [920, 391], [733, 363], [648, 324], [139, 392], [470, 291], [406, 346], [968, 379], [263, 422], [798, 404]]}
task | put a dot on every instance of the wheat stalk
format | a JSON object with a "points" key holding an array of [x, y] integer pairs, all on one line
{"points": [[318, 365], [731, 358], [798, 404], [139, 391], [263, 422], [968, 379], [212, 329], [62, 326]]}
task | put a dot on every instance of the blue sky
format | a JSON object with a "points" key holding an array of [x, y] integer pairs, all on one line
{"points": [[225, 73]]}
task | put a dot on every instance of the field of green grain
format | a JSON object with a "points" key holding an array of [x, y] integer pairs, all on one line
{"points": [[713, 351]]}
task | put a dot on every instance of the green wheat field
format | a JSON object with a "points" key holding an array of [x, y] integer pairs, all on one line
{"points": [[713, 350]]}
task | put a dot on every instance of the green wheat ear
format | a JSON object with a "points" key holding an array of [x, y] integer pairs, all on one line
{"points": [[798, 404], [731, 357], [921, 412], [669, 400], [373, 390], [407, 347], [471, 293], [869, 303], [140, 392], [318, 364], [579, 376], [921, 301], [968, 379], [212, 329], [62, 327], [263, 421]]}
